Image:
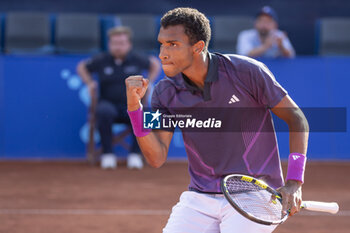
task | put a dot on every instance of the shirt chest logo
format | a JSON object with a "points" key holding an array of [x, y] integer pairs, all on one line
{"points": [[108, 70], [233, 99]]}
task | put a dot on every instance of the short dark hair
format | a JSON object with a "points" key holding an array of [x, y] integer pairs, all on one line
{"points": [[196, 24]]}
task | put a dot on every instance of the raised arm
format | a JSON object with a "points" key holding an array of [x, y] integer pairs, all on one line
{"points": [[155, 144]]}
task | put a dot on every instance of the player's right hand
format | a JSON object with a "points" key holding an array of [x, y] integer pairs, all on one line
{"points": [[136, 87]]}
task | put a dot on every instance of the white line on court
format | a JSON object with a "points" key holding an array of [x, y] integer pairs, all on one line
{"points": [[82, 212], [126, 212], [313, 213]]}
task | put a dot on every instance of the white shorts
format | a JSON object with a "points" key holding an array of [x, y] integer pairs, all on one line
{"points": [[209, 213]]}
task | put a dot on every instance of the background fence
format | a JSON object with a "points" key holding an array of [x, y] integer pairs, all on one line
{"points": [[44, 105]]}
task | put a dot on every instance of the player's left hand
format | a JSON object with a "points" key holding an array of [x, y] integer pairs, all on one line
{"points": [[291, 197]]}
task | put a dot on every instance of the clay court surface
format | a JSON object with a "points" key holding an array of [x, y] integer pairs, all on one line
{"points": [[55, 197]]}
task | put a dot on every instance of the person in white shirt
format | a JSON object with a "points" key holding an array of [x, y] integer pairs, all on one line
{"points": [[265, 40]]}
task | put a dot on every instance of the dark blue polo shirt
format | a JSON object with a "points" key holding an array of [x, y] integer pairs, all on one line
{"points": [[112, 75], [233, 82]]}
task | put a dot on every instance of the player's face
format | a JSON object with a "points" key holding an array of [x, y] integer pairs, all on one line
{"points": [[119, 45], [264, 24], [176, 52]]}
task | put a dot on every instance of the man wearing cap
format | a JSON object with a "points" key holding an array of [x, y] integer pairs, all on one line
{"points": [[265, 40]]}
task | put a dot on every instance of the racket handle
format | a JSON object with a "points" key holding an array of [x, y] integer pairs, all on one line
{"points": [[329, 207]]}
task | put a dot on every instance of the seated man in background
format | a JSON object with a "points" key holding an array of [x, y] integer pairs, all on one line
{"points": [[265, 40], [112, 69]]}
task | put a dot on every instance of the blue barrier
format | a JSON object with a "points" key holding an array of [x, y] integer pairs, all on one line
{"points": [[317, 82], [43, 105]]}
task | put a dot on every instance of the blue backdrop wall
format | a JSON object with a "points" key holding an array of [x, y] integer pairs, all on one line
{"points": [[43, 105]]}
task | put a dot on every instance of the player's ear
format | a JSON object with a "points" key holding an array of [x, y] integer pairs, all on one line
{"points": [[198, 47]]}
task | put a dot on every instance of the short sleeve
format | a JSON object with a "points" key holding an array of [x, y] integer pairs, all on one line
{"points": [[93, 64], [266, 89], [258, 81]]}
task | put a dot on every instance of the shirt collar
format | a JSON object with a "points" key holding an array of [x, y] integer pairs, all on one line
{"points": [[212, 74]]}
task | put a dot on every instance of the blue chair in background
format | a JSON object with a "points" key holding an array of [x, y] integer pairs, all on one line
{"points": [[27, 33], [226, 30], [144, 30], [93, 149], [107, 22], [333, 36], [77, 33]]}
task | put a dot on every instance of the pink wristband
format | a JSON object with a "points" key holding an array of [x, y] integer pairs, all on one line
{"points": [[296, 167], [136, 118]]}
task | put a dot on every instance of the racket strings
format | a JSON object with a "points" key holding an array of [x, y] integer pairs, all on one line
{"points": [[254, 200]]}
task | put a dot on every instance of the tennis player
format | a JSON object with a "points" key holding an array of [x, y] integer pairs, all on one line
{"points": [[195, 79]]}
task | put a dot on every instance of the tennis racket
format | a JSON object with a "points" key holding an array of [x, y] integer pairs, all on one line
{"points": [[257, 201]]}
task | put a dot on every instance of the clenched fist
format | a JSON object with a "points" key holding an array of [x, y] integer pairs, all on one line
{"points": [[136, 87]]}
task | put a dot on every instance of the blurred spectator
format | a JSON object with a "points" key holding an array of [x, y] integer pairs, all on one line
{"points": [[265, 40], [112, 69]]}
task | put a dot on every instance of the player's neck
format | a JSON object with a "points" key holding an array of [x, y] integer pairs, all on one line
{"points": [[197, 72]]}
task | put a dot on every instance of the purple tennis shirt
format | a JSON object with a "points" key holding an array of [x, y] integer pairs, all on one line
{"points": [[233, 82]]}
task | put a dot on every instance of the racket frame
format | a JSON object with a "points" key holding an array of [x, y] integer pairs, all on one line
{"points": [[259, 183]]}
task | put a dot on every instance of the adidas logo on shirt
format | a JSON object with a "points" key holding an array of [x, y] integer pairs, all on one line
{"points": [[233, 99]]}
